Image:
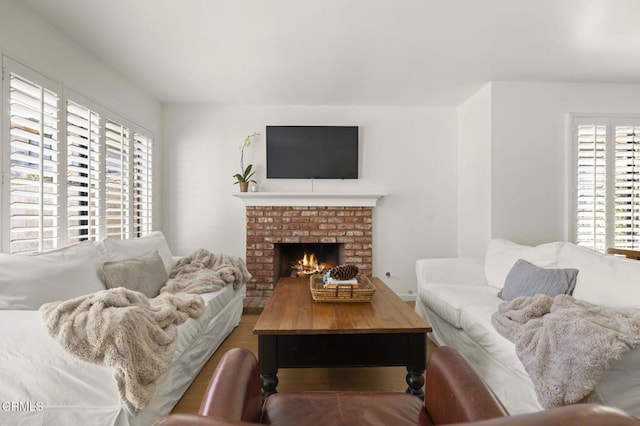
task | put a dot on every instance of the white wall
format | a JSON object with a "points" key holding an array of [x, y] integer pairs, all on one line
{"points": [[474, 174], [28, 39], [407, 153], [530, 197]]}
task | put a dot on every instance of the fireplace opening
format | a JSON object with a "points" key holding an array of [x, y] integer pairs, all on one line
{"points": [[304, 259]]}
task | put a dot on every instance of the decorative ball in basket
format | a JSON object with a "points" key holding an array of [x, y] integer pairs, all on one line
{"points": [[344, 272]]}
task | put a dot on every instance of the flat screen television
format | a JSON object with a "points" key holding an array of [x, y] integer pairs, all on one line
{"points": [[312, 152]]}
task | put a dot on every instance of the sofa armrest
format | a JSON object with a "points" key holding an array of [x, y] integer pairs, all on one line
{"points": [[195, 420], [571, 415], [455, 393], [466, 271], [234, 390]]}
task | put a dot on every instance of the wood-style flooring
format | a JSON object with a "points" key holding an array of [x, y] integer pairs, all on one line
{"points": [[375, 379]]}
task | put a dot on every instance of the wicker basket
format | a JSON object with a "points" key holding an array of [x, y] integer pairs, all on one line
{"points": [[346, 293]]}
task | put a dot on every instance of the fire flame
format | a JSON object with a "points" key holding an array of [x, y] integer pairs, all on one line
{"points": [[309, 265], [309, 261]]}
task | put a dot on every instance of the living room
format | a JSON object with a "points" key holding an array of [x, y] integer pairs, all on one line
{"points": [[464, 118]]}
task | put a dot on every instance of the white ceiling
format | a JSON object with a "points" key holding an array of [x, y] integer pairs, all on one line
{"points": [[351, 52]]}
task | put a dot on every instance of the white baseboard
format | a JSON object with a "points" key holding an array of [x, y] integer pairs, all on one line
{"points": [[407, 297]]}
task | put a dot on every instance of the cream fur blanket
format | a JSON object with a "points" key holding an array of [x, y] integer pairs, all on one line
{"points": [[566, 344], [125, 330], [134, 335], [204, 272]]}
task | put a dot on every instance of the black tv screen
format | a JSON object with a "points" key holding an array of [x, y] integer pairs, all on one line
{"points": [[312, 152]]}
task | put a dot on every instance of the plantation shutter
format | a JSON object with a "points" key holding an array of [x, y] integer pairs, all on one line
{"points": [[607, 186], [591, 186], [33, 163], [71, 169], [83, 174], [142, 185], [118, 201], [627, 187]]}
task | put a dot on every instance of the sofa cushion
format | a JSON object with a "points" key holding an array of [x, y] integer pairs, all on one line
{"points": [[474, 310], [502, 255], [28, 281], [448, 301], [347, 408], [603, 280], [145, 274], [476, 322], [125, 249], [527, 279]]}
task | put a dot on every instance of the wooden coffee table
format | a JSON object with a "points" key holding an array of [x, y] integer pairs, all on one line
{"points": [[294, 332]]}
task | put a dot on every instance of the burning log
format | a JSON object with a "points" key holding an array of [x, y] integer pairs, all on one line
{"points": [[308, 265]]}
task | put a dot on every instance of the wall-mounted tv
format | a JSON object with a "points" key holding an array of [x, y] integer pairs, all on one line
{"points": [[312, 152]]}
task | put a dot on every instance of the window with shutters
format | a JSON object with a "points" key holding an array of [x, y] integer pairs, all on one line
{"points": [[142, 183], [607, 182], [84, 171], [33, 187], [118, 194], [72, 170]]}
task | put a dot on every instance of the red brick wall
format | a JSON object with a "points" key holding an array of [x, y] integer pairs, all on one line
{"points": [[267, 226]]}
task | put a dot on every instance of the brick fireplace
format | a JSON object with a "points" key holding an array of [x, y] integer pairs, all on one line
{"points": [[269, 226]]}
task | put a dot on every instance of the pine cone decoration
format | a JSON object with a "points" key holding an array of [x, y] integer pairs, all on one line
{"points": [[343, 272]]}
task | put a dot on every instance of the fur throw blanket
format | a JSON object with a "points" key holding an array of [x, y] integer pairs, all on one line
{"points": [[566, 344], [125, 330], [204, 272], [134, 335]]}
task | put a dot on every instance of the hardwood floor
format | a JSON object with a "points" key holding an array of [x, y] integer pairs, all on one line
{"points": [[378, 379]]}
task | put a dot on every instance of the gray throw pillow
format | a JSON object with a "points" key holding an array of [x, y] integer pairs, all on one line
{"points": [[527, 279], [145, 274]]}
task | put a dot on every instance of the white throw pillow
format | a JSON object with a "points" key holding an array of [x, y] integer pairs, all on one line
{"points": [[608, 281], [125, 249], [28, 281], [503, 254]]}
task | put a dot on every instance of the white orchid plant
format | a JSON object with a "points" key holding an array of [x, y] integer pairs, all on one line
{"points": [[247, 173]]}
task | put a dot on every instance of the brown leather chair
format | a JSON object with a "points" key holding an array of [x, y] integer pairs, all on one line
{"points": [[453, 394]]}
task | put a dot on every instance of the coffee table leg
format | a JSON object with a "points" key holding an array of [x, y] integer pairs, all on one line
{"points": [[267, 355], [415, 380], [417, 363], [269, 382]]}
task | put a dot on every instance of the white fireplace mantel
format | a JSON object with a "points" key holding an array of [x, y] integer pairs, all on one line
{"points": [[309, 199]]}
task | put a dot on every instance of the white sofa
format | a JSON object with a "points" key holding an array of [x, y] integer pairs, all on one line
{"points": [[41, 383], [458, 296]]}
